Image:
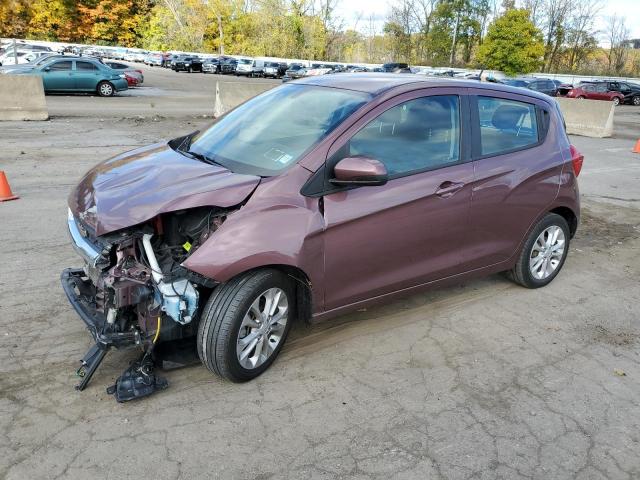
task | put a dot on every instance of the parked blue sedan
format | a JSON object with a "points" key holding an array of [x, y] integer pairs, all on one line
{"points": [[78, 74]]}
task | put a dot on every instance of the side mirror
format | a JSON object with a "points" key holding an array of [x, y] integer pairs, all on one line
{"points": [[360, 171], [46, 69]]}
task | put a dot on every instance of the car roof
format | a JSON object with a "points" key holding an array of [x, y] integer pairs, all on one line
{"points": [[378, 83]]}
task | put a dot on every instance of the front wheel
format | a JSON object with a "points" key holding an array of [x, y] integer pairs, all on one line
{"points": [[616, 101], [636, 101], [105, 89], [245, 323], [543, 253]]}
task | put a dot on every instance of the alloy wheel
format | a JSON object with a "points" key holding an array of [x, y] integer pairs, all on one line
{"points": [[547, 252], [636, 101], [262, 328]]}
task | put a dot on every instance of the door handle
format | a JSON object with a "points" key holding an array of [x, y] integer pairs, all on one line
{"points": [[448, 189]]}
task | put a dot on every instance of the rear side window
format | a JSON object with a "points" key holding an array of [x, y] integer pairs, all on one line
{"points": [[421, 134], [506, 125], [86, 66]]}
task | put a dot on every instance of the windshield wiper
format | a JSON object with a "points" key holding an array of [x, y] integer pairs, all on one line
{"points": [[201, 157]]}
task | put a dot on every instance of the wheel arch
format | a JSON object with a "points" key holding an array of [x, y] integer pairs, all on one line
{"points": [[302, 286], [569, 215]]}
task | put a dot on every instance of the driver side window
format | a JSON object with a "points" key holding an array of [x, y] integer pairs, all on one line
{"points": [[64, 65], [421, 134]]}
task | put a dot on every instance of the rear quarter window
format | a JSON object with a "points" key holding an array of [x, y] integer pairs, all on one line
{"points": [[506, 125]]}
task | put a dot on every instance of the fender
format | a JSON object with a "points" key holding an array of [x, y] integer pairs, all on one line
{"points": [[270, 229]]}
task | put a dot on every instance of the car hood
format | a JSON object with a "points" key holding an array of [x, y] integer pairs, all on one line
{"points": [[134, 187]]}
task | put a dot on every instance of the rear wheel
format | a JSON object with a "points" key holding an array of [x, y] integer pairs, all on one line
{"points": [[580, 97], [245, 323], [543, 253], [106, 89]]}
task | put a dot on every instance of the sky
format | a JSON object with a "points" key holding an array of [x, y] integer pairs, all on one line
{"points": [[356, 14]]}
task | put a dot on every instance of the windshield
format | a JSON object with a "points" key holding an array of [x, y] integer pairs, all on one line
{"points": [[272, 131], [245, 62]]}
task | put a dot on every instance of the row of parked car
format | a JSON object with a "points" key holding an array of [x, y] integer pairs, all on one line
{"points": [[611, 90], [615, 91], [251, 67]]}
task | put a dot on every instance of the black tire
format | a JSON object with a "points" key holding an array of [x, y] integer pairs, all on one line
{"points": [[222, 317], [636, 101], [106, 89], [521, 273], [616, 101]]}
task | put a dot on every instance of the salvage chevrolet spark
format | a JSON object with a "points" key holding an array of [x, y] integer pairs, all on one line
{"points": [[313, 199]]}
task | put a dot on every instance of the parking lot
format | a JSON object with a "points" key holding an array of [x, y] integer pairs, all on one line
{"points": [[485, 380]]}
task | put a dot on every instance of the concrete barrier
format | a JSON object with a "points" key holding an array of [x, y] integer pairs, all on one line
{"points": [[231, 94], [22, 98], [589, 118]]}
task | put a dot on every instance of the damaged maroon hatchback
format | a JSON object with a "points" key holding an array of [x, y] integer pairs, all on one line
{"points": [[313, 199]]}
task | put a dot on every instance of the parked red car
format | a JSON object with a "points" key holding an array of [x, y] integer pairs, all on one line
{"points": [[131, 80], [595, 91], [316, 198]]}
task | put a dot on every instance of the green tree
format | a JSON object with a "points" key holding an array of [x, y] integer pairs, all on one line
{"points": [[400, 41], [513, 44]]}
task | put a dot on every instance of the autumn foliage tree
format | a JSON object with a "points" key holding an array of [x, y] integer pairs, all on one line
{"points": [[14, 18], [117, 22]]}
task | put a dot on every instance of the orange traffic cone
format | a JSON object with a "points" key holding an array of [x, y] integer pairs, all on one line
{"points": [[636, 149], [5, 190]]}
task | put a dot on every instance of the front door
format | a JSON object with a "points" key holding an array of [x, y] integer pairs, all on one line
{"points": [[59, 76], [381, 239]]}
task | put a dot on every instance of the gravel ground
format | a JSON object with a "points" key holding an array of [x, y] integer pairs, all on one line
{"points": [[486, 380]]}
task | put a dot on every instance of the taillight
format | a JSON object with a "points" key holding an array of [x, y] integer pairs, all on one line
{"points": [[576, 159]]}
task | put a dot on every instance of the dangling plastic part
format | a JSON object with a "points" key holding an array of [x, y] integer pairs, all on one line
{"points": [[139, 380]]}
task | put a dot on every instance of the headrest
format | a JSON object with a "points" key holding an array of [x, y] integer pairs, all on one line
{"points": [[507, 117]]}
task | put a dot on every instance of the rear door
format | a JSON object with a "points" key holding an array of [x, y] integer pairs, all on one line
{"points": [[602, 92], [517, 166], [547, 87], [590, 92], [413, 229], [87, 76]]}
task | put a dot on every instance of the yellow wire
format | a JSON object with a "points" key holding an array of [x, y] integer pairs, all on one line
{"points": [[157, 331]]}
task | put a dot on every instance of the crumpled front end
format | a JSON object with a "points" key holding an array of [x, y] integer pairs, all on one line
{"points": [[132, 289]]}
